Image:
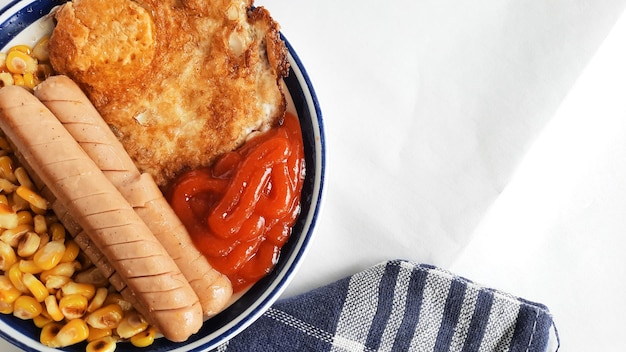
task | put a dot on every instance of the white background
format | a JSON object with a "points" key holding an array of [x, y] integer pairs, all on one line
{"points": [[487, 137]]}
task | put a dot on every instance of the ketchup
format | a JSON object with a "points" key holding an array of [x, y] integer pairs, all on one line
{"points": [[240, 211]]}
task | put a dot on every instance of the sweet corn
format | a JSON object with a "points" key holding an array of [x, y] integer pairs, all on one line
{"points": [[7, 186], [6, 168], [24, 217], [29, 266], [4, 144], [73, 306], [62, 269], [92, 275], [57, 232], [52, 308], [103, 344], [3, 199], [18, 203], [13, 235], [36, 287], [29, 79], [39, 224], [21, 47], [75, 331], [107, 317], [19, 62], [144, 338], [22, 177], [28, 245], [116, 298], [8, 217], [55, 282], [48, 256], [8, 292], [16, 275], [31, 197], [71, 252], [6, 79], [18, 79], [26, 307], [76, 288], [49, 333], [41, 320], [6, 308], [7, 256], [95, 334], [40, 50], [98, 300], [131, 325]]}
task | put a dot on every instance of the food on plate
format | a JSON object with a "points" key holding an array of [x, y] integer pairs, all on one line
{"points": [[163, 296], [70, 105], [179, 82], [24, 66], [241, 211]]}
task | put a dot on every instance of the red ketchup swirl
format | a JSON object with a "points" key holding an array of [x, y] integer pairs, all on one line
{"points": [[240, 211]]}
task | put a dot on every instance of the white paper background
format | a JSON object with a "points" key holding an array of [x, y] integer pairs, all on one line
{"points": [[486, 137]]}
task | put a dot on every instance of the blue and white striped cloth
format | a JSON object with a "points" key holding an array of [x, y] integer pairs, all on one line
{"points": [[399, 306]]}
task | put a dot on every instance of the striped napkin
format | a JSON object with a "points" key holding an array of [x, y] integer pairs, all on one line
{"points": [[399, 306]]}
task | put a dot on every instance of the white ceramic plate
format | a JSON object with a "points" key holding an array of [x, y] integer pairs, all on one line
{"points": [[24, 22]]}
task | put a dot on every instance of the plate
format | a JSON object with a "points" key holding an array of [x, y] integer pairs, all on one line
{"points": [[24, 22]]}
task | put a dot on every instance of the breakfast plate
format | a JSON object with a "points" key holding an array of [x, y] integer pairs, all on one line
{"points": [[25, 22]]}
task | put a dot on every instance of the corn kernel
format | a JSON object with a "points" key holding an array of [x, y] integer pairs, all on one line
{"points": [[7, 186], [31, 197], [4, 144], [36, 287], [8, 217], [41, 320], [73, 332], [8, 292], [71, 252], [21, 47], [52, 308], [16, 275], [131, 325], [22, 177], [6, 308], [95, 334], [12, 236], [24, 217], [98, 300], [49, 333], [63, 269], [18, 203], [48, 256], [7, 256], [29, 80], [55, 282], [76, 288], [40, 50], [73, 306], [19, 62], [116, 298], [57, 231], [92, 275], [107, 317], [3, 199], [103, 344], [6, 169], [39, 224], [28, 245], [29, 266], [26, 307], [18, 79], [144, 338]]}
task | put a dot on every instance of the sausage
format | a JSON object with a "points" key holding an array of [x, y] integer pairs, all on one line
{"points": [[74, 179], [72, 107]]}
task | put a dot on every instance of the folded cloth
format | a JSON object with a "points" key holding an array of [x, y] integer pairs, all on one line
{"points": [[399, 306]]}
